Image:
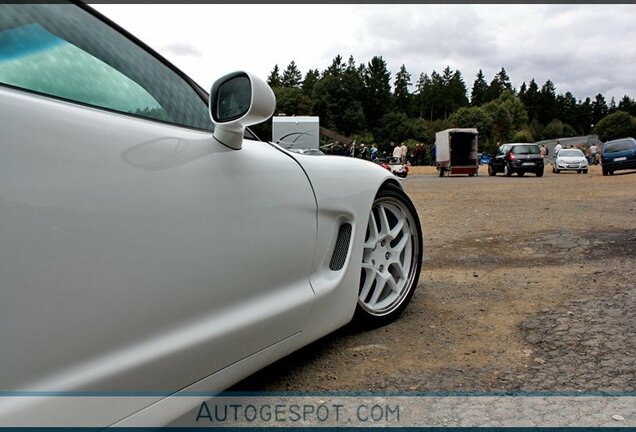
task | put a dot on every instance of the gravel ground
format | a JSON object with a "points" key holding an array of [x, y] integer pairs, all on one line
{"points": [[528, 284]]}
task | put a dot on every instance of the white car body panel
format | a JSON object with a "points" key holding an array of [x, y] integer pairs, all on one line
{"points": [[113, 236], [114, 224], [139, 256]]}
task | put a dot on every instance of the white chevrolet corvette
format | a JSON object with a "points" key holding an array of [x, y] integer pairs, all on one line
{"points": [[150, 243]]}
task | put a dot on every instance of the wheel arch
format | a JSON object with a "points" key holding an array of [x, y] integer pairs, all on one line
{"points": [[345, 190]]}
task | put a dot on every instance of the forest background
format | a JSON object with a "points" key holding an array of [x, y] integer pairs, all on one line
{"points": [[366, 103]]}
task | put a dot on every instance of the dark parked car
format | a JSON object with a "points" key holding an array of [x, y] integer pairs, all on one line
{"points": [[517, 158], [617, 155]]}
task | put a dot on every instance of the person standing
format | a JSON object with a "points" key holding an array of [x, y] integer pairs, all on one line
{"points": [[373, 151], [593, 152], [404, 150], [557, 148], [397, 152]]}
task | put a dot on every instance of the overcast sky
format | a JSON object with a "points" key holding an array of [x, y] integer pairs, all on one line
{"points": [[585, 49]]}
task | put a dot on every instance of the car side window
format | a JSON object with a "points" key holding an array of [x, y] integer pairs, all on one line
{"points": [[63, 51], [619, 145]]}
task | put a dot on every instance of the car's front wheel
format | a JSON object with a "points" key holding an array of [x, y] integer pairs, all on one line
{"points": [[491, 171], [391, 260]]}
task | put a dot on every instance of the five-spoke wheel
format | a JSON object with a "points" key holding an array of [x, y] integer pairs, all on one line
{"points": [[392, 258]]}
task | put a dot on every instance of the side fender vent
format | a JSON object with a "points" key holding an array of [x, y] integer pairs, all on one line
{"points": [[342, 247]]}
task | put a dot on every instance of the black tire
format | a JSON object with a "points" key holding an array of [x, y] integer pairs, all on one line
{"points": [[605, 172], [441, 172], [507, 170], [521, 173], [578, 171], [389, 303], [557, 171], [585, 171], [491, 171], [471, 175], [539, 173]]}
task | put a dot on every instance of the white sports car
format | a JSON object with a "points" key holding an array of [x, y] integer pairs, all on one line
{"points": [[146, 243]]}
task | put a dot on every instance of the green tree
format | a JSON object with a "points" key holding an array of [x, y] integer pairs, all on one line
{"points": [[377, 82], [337, 97], [523, 135], [401, 93], [309, 83], [479, 93], [337, 67], [531, 100], [547, 106], [473, 117], [599, 108], [515, 107], [291, 76], [567, 109], [274, 77], [499, 83], [554, 129], [292, 101], [423, 96], [536, 128], [436, 97], [628, 105], [617, 125], [394, 126], [422, 131], [584, 116], [456, 91], [502, 129]]}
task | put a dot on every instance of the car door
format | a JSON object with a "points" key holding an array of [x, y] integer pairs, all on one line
{"points": [[499, 159], [136, 252]]}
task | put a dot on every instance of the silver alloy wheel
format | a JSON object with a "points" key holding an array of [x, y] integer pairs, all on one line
{"points": [[390, 257]]}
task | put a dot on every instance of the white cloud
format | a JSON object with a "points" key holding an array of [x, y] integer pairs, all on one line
{"points": [[585, 49]]}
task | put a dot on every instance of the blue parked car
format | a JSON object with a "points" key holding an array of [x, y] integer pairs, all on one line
{"points": [[484, 158], [617, 155]]}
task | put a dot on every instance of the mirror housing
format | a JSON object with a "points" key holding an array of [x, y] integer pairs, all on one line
{"points": [[237, 100]]}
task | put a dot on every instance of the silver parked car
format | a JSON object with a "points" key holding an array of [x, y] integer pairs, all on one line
{"points": [[146, 243], [570, 160]]}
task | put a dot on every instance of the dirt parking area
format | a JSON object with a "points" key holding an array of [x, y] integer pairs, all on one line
{"points": [[528, 284]]}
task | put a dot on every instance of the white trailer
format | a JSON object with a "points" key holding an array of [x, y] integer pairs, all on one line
{"points": [[297, 132], [456, 151]]}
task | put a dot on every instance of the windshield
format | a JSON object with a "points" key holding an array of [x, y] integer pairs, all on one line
{"points": [[525, 149], [571, 153], [618, 146]]}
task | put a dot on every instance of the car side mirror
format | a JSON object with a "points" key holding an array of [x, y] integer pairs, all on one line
{"points": [[238, 100]]}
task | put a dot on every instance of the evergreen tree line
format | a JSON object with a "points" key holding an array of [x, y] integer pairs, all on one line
{"points": [[364, 102]]}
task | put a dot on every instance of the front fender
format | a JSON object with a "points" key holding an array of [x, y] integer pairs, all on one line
{"points": [[344, 189]]}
